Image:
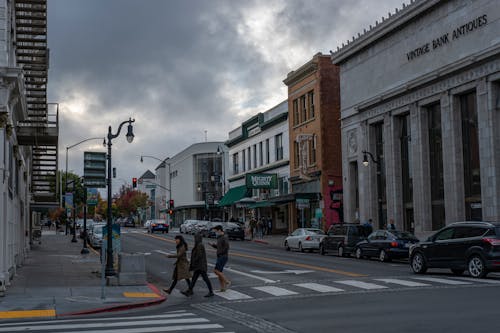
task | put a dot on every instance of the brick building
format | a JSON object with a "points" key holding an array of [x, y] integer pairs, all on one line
{"points": [[315, 143]]}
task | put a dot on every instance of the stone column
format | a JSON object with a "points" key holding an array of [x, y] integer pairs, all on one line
{"points": [[392, 164]]}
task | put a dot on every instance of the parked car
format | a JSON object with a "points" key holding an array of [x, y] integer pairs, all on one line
{"points": [[187, 226], [158, 225], [147, 224], [471, 246], [96, 235], [234, 230], [304, 239], [386, 245], [342, 238], [129, 222], [90, 223], [208, 229]]}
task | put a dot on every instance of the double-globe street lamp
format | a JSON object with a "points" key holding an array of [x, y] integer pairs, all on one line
{"points": [[169, 174], [110, 270], [66, 181]]}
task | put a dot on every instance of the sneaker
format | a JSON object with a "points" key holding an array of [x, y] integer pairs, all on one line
{"points": [[222, 290], [210, 294]]}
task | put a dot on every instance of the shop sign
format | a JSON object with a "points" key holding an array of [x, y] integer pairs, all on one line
{"points": [[262, 180]]}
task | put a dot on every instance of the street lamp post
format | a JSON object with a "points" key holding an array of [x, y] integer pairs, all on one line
{"points": [[110, 270], [379, 187], [220, 150], [169, 174], [66, 173]]}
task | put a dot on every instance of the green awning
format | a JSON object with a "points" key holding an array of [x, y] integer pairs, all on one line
{"points": [[234, 194]]}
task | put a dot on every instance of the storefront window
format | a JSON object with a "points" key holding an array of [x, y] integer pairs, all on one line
{"points": [[208, 172], [436, 166]]}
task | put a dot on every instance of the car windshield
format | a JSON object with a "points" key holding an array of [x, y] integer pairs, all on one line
{"points": [[404, 235], [314, 232], [232, 225]]}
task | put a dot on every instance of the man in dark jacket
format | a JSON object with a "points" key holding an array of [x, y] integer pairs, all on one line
{"points": [[199, 266], [222, 247]]}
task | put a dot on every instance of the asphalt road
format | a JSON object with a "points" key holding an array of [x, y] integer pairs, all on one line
{"points": [[277, 291]]}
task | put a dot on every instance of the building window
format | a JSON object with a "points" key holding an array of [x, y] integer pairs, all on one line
{"points": [[310, 99], [267, 151], [278, 144], [303, 109], [378, 131], [296, 154], [406, 172], [436, 166], [295, 107], [207, 170], [235, 164], [261, 154], [470, 148], [243, 161], [312, 150], [249, 158]]}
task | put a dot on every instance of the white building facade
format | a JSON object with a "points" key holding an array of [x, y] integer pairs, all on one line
{"points": [[260, 146], [420, 93]]}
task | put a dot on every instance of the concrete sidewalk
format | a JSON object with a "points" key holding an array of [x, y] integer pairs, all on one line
{"points": [[272, 240], [56, 280]]}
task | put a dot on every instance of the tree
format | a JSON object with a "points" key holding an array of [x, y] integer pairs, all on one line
{"points": [[128, 201]]}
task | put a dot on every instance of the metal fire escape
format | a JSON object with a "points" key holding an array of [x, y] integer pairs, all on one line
{"points": [[41, 128]]}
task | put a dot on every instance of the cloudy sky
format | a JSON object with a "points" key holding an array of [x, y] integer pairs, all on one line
{"points": [[181, 68]]}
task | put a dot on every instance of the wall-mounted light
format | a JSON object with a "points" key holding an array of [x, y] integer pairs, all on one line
{"points": [[365, 158]]}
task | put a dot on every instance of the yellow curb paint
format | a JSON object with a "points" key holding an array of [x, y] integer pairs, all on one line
{"points": [[140, 295], [27, 314], [277, 261]]}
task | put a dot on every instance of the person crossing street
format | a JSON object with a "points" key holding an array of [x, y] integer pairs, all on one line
{"points": [[222, 247], [199, 266]]}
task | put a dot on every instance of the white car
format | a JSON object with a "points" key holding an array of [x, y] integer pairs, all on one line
{"points": [[304, 239], [187, 226], [147, 224]]}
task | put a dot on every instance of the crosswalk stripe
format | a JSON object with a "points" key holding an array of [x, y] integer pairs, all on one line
{"points": [[232, 295], [361, 284], [444, 281], [404, 282], [159, 329], [276, 291], [104, 325], [318, 287], [478, 280]]}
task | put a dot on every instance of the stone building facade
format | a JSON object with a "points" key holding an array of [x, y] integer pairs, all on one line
{"points": [[420, 116], [315, 143]]}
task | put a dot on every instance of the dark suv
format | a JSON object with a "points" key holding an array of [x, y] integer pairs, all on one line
{"points": [[342, 238], [472, 246]]}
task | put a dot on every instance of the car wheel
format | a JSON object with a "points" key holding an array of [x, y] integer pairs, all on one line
{"points": [[358, 253], [382, 256], [322, 249], [418, 264], [457, 271], [341, 251], [476, 267], [301, 249], [287, 247]]}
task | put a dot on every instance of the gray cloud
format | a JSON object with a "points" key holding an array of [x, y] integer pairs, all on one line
{"points": [[182, 67]]}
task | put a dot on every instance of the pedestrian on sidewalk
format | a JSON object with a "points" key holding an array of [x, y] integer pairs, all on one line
{"points": [[181, 270], [199, 266], [269, 225], [222, 247]]}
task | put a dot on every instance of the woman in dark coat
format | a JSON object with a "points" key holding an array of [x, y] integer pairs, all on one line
{"points": [[181, 270], [199, 266]]}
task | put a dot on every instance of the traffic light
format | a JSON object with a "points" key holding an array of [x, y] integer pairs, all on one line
{"points": [[171, 204], [134, 182], [170, 212]]}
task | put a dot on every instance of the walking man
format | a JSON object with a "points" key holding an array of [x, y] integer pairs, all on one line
{"points": [[222, 247], [199, 266]]}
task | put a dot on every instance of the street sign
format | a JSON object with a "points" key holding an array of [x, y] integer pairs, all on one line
{"points": [[91, 196], [94, 169]]}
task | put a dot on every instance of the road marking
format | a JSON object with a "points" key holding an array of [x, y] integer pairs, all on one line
{"points": [[164, 329], [27, 314], [288, 271], [276, 291], [232, 295], [318, 287], [247, 274], [163, 252], [56, 326], [403, 282], [140, 295], [296, 264], [444, 281], [477, 280], [361, 284]]}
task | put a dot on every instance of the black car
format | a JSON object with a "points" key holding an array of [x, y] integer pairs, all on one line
{"points": [[471, 246], [342, 238], [129, 222], [234, 231], [386, 245]]}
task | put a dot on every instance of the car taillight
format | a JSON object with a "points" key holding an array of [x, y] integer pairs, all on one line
{"points": [[394, 244], [492, 241], [308, 238]]}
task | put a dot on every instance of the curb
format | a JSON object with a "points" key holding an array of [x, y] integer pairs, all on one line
{"points": [[121, 307], [260, 241]]}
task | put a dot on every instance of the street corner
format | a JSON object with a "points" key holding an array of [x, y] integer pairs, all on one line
{"points": [[25, 314]]}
